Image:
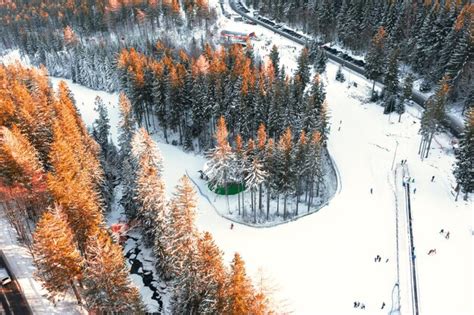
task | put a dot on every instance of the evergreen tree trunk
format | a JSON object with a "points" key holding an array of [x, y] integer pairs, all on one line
{"points": [[76, 293], [284, 206], [260, 203], [243, 204], [278, 205], [310, 195], [268, 202], [297, 202], [429, 144], [458, 189], [373, 88], [238, 199], [255, 205], [421, 144]]}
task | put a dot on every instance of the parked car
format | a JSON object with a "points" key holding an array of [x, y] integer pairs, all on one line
{"points": [[4, 277]]}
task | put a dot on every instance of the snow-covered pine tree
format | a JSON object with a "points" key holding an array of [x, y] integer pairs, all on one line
{"points": [[320, 60], [391, 81], [433, 116], [303, 67], [221, 164], [261, 143], [339, 75], [375, 59], [127, 127], [107, 285], [211, 280], [314, 166], [150, 194], [275, 58], [100, 133], [58, 261], [300, 156], [314, 103], [182, 242], [255, 178], [239, 289], [286, 167], [22, 171], [464, 166], [405, 95], [269, 167]]}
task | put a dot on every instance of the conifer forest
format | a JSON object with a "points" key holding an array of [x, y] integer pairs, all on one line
{"points": [[236, 157]]}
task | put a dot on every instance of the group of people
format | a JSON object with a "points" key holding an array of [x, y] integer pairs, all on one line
{"points": [[379, 259], [446, 234], [357, 304]]}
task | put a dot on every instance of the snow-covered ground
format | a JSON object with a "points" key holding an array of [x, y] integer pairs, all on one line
{"points": [[324, 262]]}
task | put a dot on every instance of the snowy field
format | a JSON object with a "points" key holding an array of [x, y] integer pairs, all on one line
{"points": [[324, 262]]}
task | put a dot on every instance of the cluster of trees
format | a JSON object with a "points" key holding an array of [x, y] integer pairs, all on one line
{"points": [[188, 260], [188, 95], [464, 166], [80, 39], [434, 37], [289, 168], [50, 189]]}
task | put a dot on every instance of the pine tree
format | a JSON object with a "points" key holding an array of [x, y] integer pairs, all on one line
{"points": [[100, 132], [255, 177], [303, 67], [464, 166], [433, 116], [107, 285], [300, 156], [339, 75], [275, 58], [211, 276], [374, 61], [239, 289], [286, 166], [183, 231], [391, 77], [128, 174], [314, 166], [150, 188], [220, 165], [56, 255]]}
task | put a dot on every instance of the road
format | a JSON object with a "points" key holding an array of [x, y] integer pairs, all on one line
{"points": [[453, 126], [12, 298]]}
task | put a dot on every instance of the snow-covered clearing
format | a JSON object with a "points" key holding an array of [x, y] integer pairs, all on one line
{"points": [[324, 262]]}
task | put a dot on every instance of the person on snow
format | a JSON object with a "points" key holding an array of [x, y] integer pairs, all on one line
{"points": [[371, 190], [432, 178], [447, 235], [383, 305], [232, 226]]}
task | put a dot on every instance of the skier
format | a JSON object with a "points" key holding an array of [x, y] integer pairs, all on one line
{"points": [[355, 304], [414, 191], [447, 235], [383, 305], [232, 226], [371, 190], [432, 178], [339, 129], [386, 261], [362, 306], [442, 231]]}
